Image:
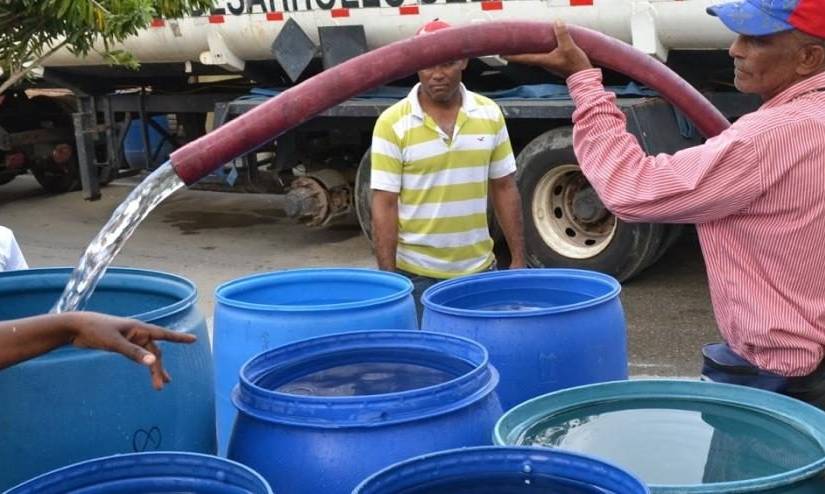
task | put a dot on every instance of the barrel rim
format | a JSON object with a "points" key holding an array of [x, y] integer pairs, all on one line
{"points": [[223, 297], [805, 417], [149, 316], [109, 467], [579, 274], [500, 460], [339, 412]]}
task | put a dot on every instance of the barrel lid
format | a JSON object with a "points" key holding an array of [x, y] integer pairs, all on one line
{"points": [[520, 466], [476, 381], [465, 296], [155, 471], [312, 290], [181, 292]]}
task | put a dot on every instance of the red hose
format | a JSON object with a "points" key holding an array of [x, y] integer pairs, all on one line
{"points": [[400, 59]]}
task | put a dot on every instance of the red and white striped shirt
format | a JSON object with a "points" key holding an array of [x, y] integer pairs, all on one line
{"points": [[757, 195]]}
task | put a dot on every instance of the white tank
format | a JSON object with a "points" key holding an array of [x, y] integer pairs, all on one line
{"points": [[243, 30]]}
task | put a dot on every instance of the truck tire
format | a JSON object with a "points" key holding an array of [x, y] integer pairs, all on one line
{"points": [[363, 195], [565, 223], [671, 235], [57, 181], [55, 177]]}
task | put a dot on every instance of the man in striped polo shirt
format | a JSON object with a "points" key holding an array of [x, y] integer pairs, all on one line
{"points": [[435, 156], [756, 192]]}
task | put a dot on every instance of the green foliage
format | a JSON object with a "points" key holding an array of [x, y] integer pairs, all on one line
{"points": [[30, 29]]}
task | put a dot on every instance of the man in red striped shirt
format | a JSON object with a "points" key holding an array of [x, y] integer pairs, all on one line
{"points": [[756, 192]]}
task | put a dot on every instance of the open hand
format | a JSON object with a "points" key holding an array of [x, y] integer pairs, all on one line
{"points": [[565, 60], [129, 337]]}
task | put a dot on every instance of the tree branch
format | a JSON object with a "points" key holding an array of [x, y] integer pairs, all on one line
{"points": [[16, 76], [101, 7]]}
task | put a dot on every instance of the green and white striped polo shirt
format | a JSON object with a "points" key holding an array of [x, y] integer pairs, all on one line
{"points": [[442, 182]]}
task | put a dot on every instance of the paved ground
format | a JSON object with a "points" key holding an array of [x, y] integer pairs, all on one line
{"points": [[213, 237]]}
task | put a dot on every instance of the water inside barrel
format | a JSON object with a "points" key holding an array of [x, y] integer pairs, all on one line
{"points": [[367, 378], [678, 442], [525, 299]]}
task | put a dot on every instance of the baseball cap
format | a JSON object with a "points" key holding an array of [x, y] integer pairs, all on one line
{"points": [[764, 17], [431, 27]]}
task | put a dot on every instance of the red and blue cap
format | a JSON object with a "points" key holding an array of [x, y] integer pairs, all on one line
{"points": [[764, 17]]}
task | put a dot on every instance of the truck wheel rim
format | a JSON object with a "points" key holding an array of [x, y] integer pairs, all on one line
{"points": [[568, 215]]}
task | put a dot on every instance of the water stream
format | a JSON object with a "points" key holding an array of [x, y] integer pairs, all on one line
{"points": [[100, 253]]}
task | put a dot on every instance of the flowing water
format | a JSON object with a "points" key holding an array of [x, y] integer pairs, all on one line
{"points": [[680, 443], [100, 253]]}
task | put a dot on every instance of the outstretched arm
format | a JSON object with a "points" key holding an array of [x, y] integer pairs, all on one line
{"points": [[22, 339], [695, 185]]}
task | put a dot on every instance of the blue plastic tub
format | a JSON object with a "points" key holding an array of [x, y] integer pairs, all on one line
{"points": [[263, 311], [502, 470], [546, 329], [320, 415], [71, 405], [156, 472], [686, 437], [159, 145]]}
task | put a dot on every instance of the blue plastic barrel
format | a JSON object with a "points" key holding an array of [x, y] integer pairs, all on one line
{"points": [[320, 415], [502, 470], [686, 437], [546, 329], [74, 404], [263, 311], [156, 473], [159, 145]]}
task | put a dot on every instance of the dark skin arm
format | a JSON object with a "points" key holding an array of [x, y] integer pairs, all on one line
{"points": [[507, 206], [22, 339], [385, 228]]}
